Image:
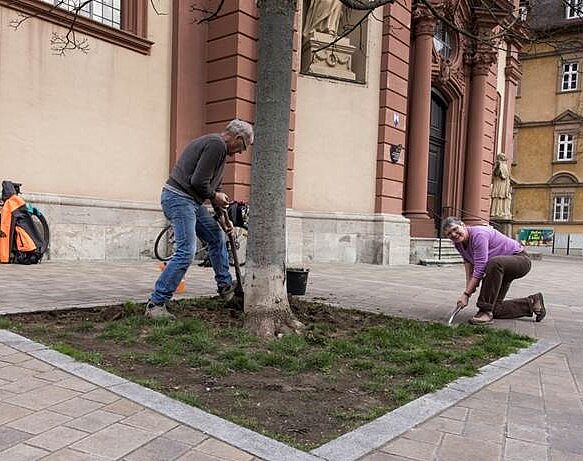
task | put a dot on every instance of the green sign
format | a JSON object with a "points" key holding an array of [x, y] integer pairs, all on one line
{"points": [[536, 237]]}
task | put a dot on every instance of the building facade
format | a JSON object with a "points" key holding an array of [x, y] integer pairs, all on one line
{"points": [[391, 127], [547, 171]]}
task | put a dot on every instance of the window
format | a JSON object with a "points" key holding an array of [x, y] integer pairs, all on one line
{"points": [[565, 147], [569, 80], [120, 22], [107, 12], [574, 9], [561, 208], [442, 40]]}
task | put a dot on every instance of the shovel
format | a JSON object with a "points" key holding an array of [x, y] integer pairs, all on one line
{"points": [[455, 312], [239, 286]]}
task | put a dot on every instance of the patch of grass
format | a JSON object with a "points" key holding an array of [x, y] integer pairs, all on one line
{"points": [[150, 383], [187, 397], [5, 323], [94, 358], [85, 327]]}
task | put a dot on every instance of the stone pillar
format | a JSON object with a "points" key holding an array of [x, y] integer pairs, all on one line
{"points": [[513, 75], [418, 126], [475, 136]]}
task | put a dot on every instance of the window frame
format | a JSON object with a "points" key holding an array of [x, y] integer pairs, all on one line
{"points": [[134, 19], [576, 9], [568, 198], [566, 144], [573, 74]]}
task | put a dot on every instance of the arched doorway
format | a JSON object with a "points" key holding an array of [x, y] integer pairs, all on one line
{"points": [[437, 133]]}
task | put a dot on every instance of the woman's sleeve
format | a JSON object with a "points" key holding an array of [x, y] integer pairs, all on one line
{"points": [[479, 248]]}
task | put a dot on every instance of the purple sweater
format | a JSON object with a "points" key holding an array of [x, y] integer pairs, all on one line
{"points": [[484, 243]]}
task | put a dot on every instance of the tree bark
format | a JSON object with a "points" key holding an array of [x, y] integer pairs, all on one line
{"points": [[267, 311]]}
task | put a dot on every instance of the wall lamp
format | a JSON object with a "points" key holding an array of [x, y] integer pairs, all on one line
{"points": [[395, 152]]}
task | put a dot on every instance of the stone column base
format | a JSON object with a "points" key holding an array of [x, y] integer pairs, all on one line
{"points": [[347, 238], [334, 61]]}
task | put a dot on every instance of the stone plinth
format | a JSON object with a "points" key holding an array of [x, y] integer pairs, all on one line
{"points": [[334, 61]]}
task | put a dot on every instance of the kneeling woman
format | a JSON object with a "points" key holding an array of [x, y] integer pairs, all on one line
{"points": [[495, 260]]}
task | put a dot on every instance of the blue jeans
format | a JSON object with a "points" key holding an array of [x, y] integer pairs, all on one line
{"points": [[189, 220]]}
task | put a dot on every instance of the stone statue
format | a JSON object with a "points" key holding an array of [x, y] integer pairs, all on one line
{"points": [[323, 16], [501, 191]]}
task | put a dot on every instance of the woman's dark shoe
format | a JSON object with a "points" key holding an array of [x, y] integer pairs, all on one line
{"points": [[538, 307], [482, 318]]}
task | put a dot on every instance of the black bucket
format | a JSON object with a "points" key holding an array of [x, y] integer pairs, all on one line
{"points": [[297, 280]]}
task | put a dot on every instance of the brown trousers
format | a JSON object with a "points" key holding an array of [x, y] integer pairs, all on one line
{"points": [[500, 272]]}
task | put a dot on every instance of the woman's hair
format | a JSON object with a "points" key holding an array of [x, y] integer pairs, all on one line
{"points": [[449, 222]]}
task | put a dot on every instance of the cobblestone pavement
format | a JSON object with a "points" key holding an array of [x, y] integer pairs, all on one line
{"points": [[535, 413]]}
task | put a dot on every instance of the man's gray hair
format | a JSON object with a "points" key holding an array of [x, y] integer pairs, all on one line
{"points": [[449, 222], [240, 128]]}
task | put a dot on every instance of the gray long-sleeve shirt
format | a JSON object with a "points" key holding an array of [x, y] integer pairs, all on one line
{"points": [[199, 170]]}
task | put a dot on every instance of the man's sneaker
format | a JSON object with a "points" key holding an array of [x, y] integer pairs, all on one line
{"points": [[158, 311], [226, 292], [538, 307]]}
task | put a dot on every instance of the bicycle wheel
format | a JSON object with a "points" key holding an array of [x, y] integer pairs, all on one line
{"points": [[42, 227], [240, 235], [164, 244]]}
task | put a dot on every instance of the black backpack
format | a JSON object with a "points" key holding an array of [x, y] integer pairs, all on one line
{"points": [[23, 228]]}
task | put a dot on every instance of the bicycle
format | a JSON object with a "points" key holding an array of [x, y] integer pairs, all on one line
{"points": [[238, 214], [38, 219]]}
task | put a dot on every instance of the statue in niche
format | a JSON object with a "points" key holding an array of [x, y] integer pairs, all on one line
{"points": [[501, 191], [323, 16]]}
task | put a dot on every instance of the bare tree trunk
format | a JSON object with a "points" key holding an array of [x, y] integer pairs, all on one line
{"points": [[267, 311]]}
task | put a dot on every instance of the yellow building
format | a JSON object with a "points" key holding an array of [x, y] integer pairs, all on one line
{"points": [[547, 170]]}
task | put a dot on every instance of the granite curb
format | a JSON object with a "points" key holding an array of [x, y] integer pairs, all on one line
{"points": [[348, 447]]}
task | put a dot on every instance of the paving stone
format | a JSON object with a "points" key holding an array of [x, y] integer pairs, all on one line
{"points": [[11, 412], [459, 448], [413, 449], [94, 421], [37, 365], [14, 373], [459, 413], [101, 395], [569, 440], [53, 375], [16, 358], [67, 454], [487, 416], [444, 425], [57, 438], [23, 452], [380, 456], [222, 450], [186, 435], [43, 397], [518, 399], [23, 385], [76, 407], [424, 435], [527, 433], [159, 449], [195, 455], [123, 407], [482, 431], [558, 455], [40, 421], [10, 437], [150, 421], [114, 441], [525, 451], [76, 384]]}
